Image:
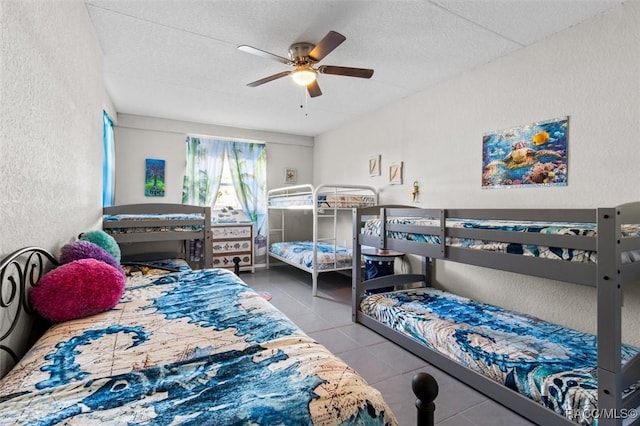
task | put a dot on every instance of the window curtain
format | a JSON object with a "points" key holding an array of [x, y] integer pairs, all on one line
{"points": [[108, 162], [248, 165], [201, 182]]}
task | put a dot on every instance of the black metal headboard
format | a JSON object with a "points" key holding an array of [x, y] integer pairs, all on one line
{"points": [[19, 271]]}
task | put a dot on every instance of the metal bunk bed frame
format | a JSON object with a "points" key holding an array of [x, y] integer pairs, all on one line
{"points": [[610, 276], [318, 213]]}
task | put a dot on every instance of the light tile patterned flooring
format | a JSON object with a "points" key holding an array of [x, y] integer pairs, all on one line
{"points": [[386, 366]]}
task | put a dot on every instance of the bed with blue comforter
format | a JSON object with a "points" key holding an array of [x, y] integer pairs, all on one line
{"points": [[154, 228], [373, 227], [324, 201], [545, 372], [341, 201], [550, 364], [300, 253], [188, 347], [172, 223]]}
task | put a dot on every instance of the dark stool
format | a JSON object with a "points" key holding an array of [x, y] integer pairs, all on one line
{"points": [[379, 263]]}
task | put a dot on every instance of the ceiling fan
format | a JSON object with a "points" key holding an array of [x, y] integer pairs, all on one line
{"points": [[303, 57]]}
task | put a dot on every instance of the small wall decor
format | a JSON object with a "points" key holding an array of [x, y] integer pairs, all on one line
{"points": [[530, 155], [154, 184], [395, 173], [290, 175], [415, 192], [374, 165]]}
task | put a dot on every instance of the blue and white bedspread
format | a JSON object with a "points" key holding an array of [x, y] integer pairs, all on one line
{"points": [[178, 217], [372, 227], [324, 200], [301, 253], [550, 364], [197, 348]]}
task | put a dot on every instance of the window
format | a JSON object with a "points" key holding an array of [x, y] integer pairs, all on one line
{"points": [[108, 162], [225, 173], [227, 196]]}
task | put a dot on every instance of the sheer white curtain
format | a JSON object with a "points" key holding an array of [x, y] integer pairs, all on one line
{"points": [[205, 158], [248, 165]]}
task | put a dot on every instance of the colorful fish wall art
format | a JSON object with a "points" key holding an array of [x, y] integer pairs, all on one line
{"points": [[530, 155]]}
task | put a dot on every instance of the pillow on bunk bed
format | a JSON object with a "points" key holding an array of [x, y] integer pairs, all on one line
{"points": [[104, 240], [77, 289], [87, 250]]}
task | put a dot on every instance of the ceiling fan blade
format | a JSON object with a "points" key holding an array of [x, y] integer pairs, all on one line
{"points": [[326, 45], [262, 53], [346, 71], [314, 89], [268, 79]]}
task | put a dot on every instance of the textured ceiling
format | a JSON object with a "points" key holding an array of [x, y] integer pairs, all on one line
{"points": [[178, 59]]}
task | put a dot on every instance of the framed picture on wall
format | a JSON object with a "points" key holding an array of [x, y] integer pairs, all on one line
{"points": [[530, 155], [154, 185], [395, 173], [374, 165], [290, 175]]}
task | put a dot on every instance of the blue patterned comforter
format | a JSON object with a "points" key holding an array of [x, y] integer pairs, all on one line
{"points": [[324, 200], [147, 217], [301, 253], [198, 348], [372, 227], [550, 364]]}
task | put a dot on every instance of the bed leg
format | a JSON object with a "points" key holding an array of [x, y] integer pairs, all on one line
{"points": [[425, 387]]}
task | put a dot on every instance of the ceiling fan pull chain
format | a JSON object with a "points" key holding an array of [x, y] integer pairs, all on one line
{"points": [[304, 106], [306, 102]]}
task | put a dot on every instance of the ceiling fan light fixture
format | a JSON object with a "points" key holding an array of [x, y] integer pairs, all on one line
{"points": [[303, 75], [303, 56]]}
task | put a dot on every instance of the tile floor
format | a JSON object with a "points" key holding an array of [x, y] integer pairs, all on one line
{"points": [[386, 366]]}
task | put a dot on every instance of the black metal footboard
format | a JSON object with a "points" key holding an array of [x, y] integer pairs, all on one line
{"points": [[425, 387]]}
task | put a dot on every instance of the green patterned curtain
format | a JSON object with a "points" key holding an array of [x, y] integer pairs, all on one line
{"points": [[205, 158], [248, 164]]}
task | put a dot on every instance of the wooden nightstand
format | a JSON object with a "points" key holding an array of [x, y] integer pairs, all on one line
{"points": [[232, 240]]}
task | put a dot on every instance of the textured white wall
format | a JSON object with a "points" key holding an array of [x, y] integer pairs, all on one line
{"points": [[589, 72], [52, 95], [51, 98], [138, 137]]}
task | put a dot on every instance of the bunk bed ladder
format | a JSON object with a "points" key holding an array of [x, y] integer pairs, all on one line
{"points": [[323, 213], [273, 231]]}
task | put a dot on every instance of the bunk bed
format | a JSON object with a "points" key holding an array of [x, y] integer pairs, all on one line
{"points": [[163, 222], [182, 347], [322, 252], [547, 373]]}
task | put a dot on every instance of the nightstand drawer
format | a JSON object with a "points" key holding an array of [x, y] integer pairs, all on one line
{"points": [[231, 246], [227, 260], [223, 232]]}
